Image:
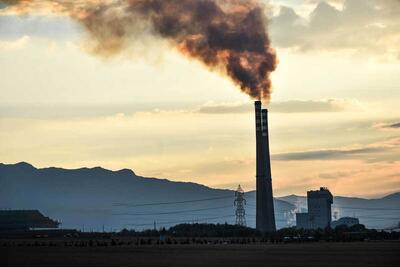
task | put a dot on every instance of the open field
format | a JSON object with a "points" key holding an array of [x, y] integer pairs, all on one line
{"points": [[303, 254]]}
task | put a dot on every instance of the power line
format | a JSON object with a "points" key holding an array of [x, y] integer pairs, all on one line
{"points": [[226, 197], [360, 208], [167, 203], [204, 219], [251, 216], [369, 218], [183, 221], [171, 212], [343, 207]]}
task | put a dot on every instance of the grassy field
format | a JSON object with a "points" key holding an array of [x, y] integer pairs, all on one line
{"points": [[306, 254]]}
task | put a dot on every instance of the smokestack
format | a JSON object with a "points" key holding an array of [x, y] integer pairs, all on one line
{"points": [[259, 156], [265, 216]]}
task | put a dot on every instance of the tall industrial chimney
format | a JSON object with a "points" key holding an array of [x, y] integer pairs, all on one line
{"points": [[265, 217]]}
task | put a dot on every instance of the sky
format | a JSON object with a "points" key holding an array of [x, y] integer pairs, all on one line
{"points": [[334, 115]]}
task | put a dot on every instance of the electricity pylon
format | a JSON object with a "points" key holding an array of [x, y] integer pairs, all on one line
{"points": [[239, 203]]}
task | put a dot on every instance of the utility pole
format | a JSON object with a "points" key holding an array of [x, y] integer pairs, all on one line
{"points": [[239, 203]]}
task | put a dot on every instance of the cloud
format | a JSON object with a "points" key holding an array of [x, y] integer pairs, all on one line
{"points": [[49, 26], [393, 126], [330, 105], [6, 3], [369, 27], [386, 150], [292, 106], [225, 108], [64, 111], [101, 110], [336, 174], [16, 44], [366, 26], [325, 154], [387, 126]]}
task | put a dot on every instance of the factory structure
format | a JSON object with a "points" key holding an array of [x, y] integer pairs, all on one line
{"points": [[319, 213], [319, 202], [265, 216]]}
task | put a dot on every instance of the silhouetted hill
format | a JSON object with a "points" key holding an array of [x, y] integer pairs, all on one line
{"points": [[89, 197], [392, 197], [374, 213]]}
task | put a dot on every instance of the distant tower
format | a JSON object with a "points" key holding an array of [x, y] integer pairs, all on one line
{"points": [[265, 216], [239, 203], [319, 213], [319, 208]]}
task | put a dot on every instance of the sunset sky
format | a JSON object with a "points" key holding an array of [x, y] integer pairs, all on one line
{"points": [[334, 111]]}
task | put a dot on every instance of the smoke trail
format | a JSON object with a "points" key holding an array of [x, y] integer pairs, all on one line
{"points": [[290, 216], [229, 36]]}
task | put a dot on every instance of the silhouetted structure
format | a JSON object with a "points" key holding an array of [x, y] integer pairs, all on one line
{"points": [[348, 221], [239, 203], [319, 210], [265, 216], [25, 220]]}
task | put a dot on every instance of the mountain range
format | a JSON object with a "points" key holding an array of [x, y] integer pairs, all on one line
{"points": [[97, 198]]}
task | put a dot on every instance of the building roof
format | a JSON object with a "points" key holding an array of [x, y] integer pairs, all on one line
{"points": [[323, 192]]}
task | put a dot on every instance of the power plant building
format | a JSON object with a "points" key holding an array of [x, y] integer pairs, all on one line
{"points": [[265, 216], [319, 213]]}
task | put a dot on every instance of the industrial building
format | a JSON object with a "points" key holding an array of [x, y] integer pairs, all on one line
{"points": [[265, 216], [25, 220], [348, 221], [319, 213]]}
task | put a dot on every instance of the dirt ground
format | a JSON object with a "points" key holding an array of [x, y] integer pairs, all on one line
{"points": [[306, 254]]}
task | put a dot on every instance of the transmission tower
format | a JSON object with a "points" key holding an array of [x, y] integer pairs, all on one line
{"points": [[239, 203]]}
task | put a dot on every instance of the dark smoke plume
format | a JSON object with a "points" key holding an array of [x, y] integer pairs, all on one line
{"points": [[229, 36]]}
